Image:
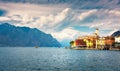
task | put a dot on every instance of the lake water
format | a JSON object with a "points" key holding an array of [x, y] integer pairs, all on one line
{"points": [[58, 59]]}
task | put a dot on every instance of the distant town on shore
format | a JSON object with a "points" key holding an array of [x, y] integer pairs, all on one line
{"points": [[95, 41]]}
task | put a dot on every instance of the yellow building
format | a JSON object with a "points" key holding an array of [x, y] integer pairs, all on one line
{"points": [[89, 40], [101, 43]]}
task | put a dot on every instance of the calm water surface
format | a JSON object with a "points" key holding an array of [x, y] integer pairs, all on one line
{"points": [[58, 59]]}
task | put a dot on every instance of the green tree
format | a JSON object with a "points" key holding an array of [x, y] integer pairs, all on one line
{"points": [[71, 43]]}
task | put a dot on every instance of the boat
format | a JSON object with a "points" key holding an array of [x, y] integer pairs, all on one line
{"points": [[36, 46]]}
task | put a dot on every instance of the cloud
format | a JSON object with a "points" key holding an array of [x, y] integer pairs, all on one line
{"points": [[45, 22], [4, 18], [53, 20], [35, 16], [115, 12], [68, 34], [84, 15], [111, 32], [77, 4], [105, 19], [31, 9]]}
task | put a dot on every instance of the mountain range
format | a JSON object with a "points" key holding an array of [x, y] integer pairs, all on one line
{"points": [[12, 36]]}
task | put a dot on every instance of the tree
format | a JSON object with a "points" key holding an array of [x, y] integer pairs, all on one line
{"points": [[71, 43]]}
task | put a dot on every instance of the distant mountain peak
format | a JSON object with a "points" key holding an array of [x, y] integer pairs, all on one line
{"points": [[11, 35], [117, 33]]}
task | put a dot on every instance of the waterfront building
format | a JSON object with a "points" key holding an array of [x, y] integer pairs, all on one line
{"points": [[117, 42], [101, 42], [80, 43], [109, 40], [117, 39], [85, 41], [89, 41]]}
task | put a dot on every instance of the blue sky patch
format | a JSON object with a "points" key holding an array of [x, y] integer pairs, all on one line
{"points": [[2, 12]]}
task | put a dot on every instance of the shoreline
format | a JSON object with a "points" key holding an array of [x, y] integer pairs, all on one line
{"points": [[113, 49]]}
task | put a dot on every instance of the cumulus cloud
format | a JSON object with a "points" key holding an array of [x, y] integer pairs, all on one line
{"points": [[31, 9], [53, 20], [84, 15], [35, 16], [105, 20], [115, 12], [4, 18], [68, 34], [111, 32], [44, 22], [78, 4]]}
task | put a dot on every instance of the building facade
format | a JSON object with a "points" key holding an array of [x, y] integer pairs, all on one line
{"points": [[95, 41], [117, 39]]}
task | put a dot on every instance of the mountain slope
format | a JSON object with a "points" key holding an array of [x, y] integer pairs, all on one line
{"points": [[117, 33], [24, 36]]}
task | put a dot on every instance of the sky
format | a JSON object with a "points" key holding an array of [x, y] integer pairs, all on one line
{"points": [[65, 20]]}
